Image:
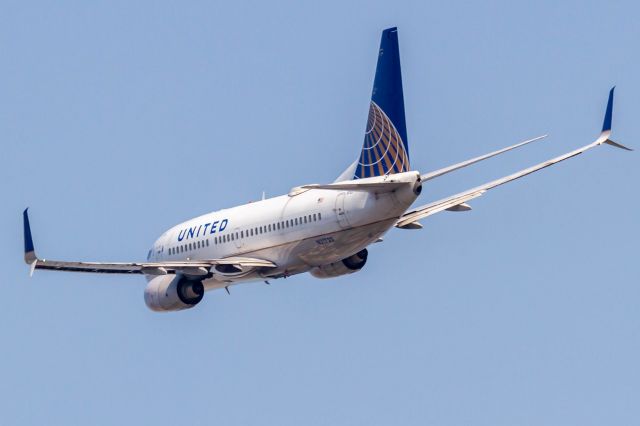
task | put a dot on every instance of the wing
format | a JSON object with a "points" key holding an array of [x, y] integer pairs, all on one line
{"points": [[409, 219], [192, 268]]}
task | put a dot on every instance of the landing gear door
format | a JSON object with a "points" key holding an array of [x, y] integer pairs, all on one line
{"points": [[341, 213]]}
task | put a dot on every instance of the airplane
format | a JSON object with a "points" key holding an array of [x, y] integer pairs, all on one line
{"points": [[323, 229]]}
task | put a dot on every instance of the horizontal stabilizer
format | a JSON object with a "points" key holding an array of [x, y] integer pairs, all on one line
{"points": [[449, 169], [360, 186]]}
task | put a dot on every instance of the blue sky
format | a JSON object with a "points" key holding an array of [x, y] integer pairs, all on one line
{"points": [[119, 120]]}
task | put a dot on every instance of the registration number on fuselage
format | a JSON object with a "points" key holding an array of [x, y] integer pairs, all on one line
{"points": [[325, 240]]}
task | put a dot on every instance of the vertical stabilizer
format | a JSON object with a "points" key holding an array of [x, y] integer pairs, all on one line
{"points": [[385, 149]]}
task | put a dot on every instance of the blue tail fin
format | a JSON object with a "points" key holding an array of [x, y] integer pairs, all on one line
{"points": [[385, 149]]}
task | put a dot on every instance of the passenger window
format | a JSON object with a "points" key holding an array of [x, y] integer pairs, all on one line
{"points": [[207, 240], [319, 217]]}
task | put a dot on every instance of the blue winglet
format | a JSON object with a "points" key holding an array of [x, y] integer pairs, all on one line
{"points": [[29, 251], [606, 126]]}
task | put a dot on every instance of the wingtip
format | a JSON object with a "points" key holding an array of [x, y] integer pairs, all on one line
{"points": [[606, 126]]}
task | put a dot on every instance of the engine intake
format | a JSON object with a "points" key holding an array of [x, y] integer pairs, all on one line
{"points": [[172, 293], [348, 265]]}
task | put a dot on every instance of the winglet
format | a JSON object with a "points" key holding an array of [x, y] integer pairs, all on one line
{"points": [[29, 251], [606, 125]]}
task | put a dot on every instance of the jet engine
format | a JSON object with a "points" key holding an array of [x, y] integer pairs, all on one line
{"points": [[172, 293], [346, 266]]}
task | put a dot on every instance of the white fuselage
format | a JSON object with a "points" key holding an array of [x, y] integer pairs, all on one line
{"points": [[298, 231]]}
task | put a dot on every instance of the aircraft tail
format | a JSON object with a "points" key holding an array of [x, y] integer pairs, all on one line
{"points": [[385, 150]]}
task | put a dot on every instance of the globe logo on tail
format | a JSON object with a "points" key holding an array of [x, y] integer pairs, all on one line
{"points": [[383, 151]]}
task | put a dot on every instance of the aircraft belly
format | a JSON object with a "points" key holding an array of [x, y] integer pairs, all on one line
{"points": [[300, 256], [336, 246]]}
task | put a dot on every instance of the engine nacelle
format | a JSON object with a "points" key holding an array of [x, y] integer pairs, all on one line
{"points": [[346, 266], [172, 293]]}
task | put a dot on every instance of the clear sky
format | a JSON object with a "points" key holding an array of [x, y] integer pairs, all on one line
{"points": [[119, 119]]}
